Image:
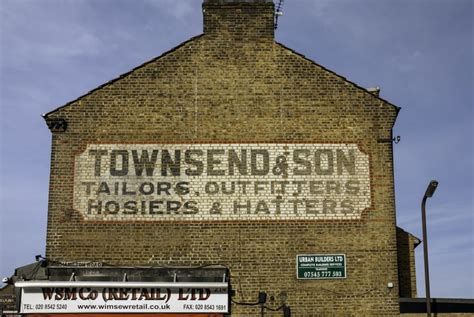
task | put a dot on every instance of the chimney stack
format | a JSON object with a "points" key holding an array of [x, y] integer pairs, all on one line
{"points": [[239, 20]]}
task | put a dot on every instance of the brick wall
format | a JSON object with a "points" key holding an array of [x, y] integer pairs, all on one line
{"points": [[235, 85], [406, 244]]}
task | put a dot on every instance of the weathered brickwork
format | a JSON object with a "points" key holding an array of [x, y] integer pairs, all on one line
{"points": [[157, 182], [235, 85]]}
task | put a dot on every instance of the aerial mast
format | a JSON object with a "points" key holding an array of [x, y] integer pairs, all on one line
{"points": [[278, 12]]}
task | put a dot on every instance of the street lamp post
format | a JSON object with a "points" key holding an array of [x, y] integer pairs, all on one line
{"points": [[429, 193]]}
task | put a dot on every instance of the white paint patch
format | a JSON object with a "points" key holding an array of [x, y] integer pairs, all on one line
{"points": [[202, 182]]}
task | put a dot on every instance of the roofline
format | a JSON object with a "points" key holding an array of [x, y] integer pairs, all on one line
{"points": [[45, 115], [397, 109], [411, 234], [438, 305]]}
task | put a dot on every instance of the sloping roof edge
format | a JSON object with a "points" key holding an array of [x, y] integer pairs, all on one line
{"points": [[122, 75], [397, 109], [417, 240]]}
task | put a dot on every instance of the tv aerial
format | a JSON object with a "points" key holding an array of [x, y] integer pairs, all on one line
{"points": [[278, 12]]}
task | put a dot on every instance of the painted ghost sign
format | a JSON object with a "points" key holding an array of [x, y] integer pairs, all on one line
{"points": [[156, 182]]}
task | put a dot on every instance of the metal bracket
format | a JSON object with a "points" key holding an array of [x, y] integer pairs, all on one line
{"points": [[57, 125], [395, 140]]}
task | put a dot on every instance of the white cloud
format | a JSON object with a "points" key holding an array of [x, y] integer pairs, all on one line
{"points": [[340, 17], [321, 7], [407, 62], [35, 36], [440, 215]]}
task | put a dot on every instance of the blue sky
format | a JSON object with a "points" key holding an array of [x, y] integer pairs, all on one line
{"points": [[420, 52]]}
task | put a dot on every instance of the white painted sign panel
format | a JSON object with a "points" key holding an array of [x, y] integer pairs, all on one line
{"points": [[124, 300], [213, 182]]}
